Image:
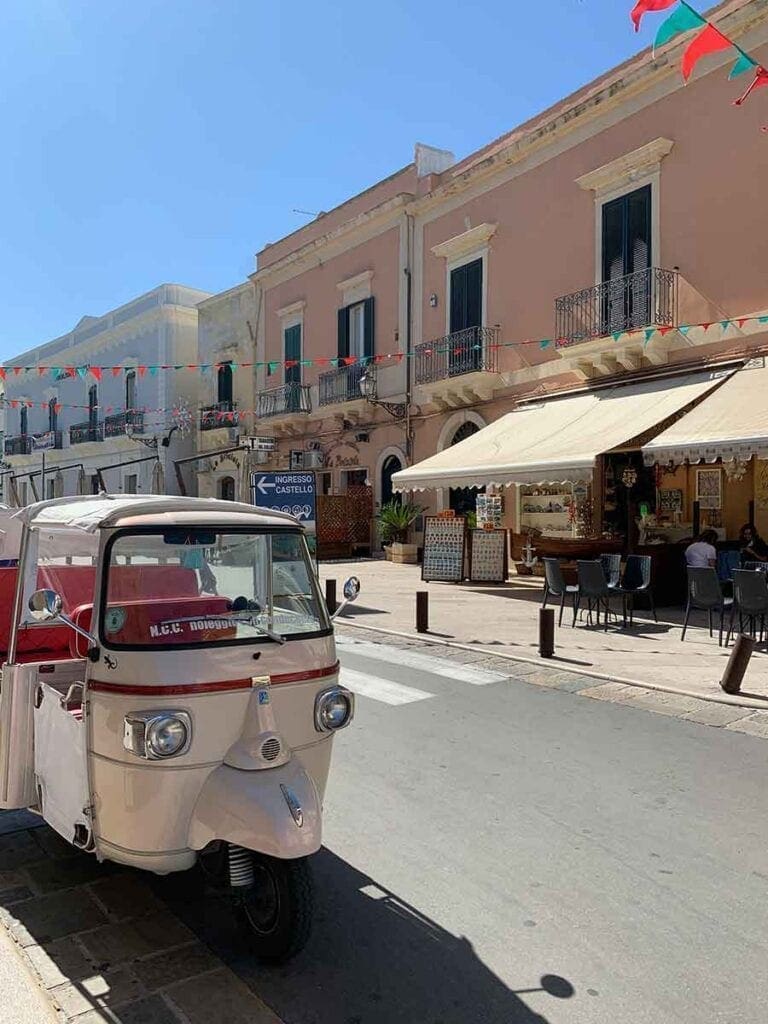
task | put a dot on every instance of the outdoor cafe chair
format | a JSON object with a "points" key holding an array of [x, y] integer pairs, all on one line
{"points": [[594, 587], [555, 585], [636, 580], [612, 568], [750, 598], [705, 594], [756, 566]]}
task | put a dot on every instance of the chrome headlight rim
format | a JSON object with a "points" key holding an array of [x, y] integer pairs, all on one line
{"points": [[141, 729], [328, 696]]}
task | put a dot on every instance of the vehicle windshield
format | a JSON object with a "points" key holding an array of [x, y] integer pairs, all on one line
{"points": [[185, 586]]}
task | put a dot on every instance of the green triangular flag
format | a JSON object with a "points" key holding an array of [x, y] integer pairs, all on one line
{"points": [[684, 329], [680, 20], [544, 343], [762, 319], [649, 334], [616, 335], [725, 324], [742, 65]]}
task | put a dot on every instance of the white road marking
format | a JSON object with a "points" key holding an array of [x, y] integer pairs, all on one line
{"points": [[381, 689], [424, 663]]}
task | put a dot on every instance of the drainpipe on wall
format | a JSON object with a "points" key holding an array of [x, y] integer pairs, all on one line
{"points": [[408, 340]]}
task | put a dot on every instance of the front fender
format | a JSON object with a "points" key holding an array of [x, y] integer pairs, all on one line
{"points": [[250, 809]]}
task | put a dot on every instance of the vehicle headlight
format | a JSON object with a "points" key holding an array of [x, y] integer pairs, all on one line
{"points": [[155, 735], [334, 709]]}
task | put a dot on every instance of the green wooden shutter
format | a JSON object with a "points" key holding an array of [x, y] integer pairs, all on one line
{"points": [[292, 339], [343, 332], [368, 329]]}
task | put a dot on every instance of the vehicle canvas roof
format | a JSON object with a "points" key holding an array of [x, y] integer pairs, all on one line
{"points": [[92, 512]]}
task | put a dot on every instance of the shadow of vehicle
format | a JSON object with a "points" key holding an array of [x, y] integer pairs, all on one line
{"points": [[372, 959]]}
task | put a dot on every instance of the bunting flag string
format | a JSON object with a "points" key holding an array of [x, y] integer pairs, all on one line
{"points": [[272, 366], [708, 39]]}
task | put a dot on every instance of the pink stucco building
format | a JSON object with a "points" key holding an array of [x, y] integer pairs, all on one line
{"points": [[536, 265]]}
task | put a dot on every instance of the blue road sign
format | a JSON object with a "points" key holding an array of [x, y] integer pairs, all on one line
{"points": [[285, 492]]}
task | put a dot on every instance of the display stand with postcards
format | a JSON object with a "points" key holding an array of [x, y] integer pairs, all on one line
{"points": [[445, 548]]}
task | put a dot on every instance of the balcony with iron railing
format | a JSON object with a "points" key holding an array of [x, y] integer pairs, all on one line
{"points": [[124, 423], [473, 350], [285, 400], [647, 298], [26, 444], [81, 433], [218, 415], [342, 384]]}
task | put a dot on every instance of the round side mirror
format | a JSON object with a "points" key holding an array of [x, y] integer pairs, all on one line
{"points": [[351, 588], [45, 605]]}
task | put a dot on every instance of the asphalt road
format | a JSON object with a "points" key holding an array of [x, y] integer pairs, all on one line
{"points": [[482, 834]]}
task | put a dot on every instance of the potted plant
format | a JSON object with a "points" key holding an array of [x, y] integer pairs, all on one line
{"points": [[394, 520]]}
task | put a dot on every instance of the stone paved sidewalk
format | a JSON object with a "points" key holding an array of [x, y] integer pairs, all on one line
{"points": [[730, 716], [103, 943], [503, 618]]}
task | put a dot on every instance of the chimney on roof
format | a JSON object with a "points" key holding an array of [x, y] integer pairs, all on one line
{"points": [[430, 160]]}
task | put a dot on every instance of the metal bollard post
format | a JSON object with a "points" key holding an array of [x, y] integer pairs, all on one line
{"points": [[422, 611], [546, 632], [330, 596], [737, 664]]}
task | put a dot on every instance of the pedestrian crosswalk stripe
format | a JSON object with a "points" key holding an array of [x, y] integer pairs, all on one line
{"points": [[423, 662], [377, 688]]}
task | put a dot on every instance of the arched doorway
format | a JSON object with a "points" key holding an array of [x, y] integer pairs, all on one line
{"points": [[390, 466], [227, 488], [462, 499]]}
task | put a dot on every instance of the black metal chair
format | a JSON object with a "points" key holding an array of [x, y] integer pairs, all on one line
{"points": [[636, 580], [705, 594], [594, 586], [750, 598], [612, 568], [555, 586]]}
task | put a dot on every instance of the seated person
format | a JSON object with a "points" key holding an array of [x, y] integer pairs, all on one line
{"points": [[753, 548], [701, 553]]}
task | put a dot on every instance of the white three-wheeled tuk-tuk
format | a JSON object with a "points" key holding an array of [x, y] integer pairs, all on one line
{"points": [[170, 693]]}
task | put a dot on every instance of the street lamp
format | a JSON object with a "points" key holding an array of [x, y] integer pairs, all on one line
{"points": [[367, 385]]}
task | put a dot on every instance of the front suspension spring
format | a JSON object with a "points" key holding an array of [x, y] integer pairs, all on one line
{"points": [[240, 867]]}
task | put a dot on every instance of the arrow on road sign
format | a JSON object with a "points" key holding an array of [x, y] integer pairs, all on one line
{"points": [[263, 487]]}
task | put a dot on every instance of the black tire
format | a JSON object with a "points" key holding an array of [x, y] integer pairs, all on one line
{"points": [[277, 911]]}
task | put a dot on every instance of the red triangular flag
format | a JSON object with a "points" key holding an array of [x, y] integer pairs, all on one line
{"points": [[665, 330], [42, 370], [742, 320], [116, 371], [709, 40], [95, 372], [760, 79], [16, 371], [643, 6], [2, 373], [142, 370]]}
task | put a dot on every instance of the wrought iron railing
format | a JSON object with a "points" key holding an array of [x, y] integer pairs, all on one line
{"points": [[286, 399], [643, 299], [130, 422], [80, 433], [472, 350], [26, 444], [343, 384], [218, 415]]}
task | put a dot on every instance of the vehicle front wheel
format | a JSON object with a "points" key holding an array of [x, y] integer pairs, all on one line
{"points": [[277, 908]]}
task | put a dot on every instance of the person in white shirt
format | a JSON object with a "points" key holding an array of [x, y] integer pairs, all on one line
{"points": [[702, 552]]}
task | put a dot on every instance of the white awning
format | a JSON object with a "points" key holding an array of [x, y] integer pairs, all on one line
{"points": [[731, 423], [557, 440]]}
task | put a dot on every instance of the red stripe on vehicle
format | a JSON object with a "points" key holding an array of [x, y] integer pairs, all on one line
{"points": [[180, 689]]}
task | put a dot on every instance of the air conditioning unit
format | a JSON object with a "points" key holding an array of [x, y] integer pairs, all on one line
{"points": [[314, 460], [234, 435]]}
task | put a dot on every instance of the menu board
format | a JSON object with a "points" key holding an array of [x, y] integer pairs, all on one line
{"points": [[671, 500], [444, 549], [488, 556]]}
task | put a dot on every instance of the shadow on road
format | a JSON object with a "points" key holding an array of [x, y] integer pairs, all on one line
{"points": [[373, 959]]}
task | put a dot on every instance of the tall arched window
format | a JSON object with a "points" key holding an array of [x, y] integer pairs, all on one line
{"points": [[225, 387], [390, 466], [93, 407], [462, 499], [53, 415], [130, 391], [227, 488]]}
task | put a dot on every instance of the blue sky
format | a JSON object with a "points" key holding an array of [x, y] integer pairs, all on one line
{"points": [[168, 140]]}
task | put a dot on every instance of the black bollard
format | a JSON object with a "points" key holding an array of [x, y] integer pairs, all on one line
{"points": [[546, 632], [330, 596], [422, 611], [737, 663]]}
